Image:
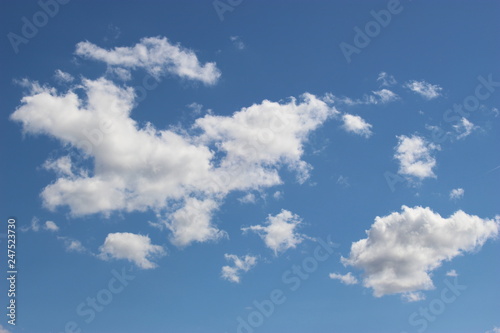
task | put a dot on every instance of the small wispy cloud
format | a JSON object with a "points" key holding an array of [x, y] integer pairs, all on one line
{"points": [[72, 245], [464, 128], [279, 232], [382, 96], [345, 279], [248, 198], [34, 225], [424, 89], [157, 55], [240, 265], [237, 42], [413, 296], [357, 125], [63, 77], [51, 226], [386, 96], [343, 181], [386, 80], [452, 273], [112, 33], [457, 193]]}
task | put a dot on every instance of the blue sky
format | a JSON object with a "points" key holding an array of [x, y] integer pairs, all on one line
{"points": [[251, 166]]}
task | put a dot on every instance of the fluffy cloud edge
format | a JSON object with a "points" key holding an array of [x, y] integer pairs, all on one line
{"points": [[347, 279], [402, 249], [135, 248], [357, 125], [279, 231], [426, 90], [415, 156], [157, 56], [239, 265]]}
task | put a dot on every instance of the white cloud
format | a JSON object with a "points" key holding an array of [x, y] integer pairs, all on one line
{"points": [[72, 245], [135, 248], [263, 135], [120, 73], [402, 249], [413, 296], [386, 79], [63, 77], [34, 225], [248, 198], [494, 330], [452, 273], [192, 222], [139, 168], [195, 108], [75, 245], [51, 226], [345, 279], [177, 172], [157, 56], [464, 128], [415, 156], [279, 232], [240, 265], [356, 125], [278, 195], [386, 96], [457, 193], [382, 96], [237, 42], [424, 89], [61, 166]]}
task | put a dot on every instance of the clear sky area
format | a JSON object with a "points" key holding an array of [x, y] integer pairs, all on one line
{"points": [[237, 166]]}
